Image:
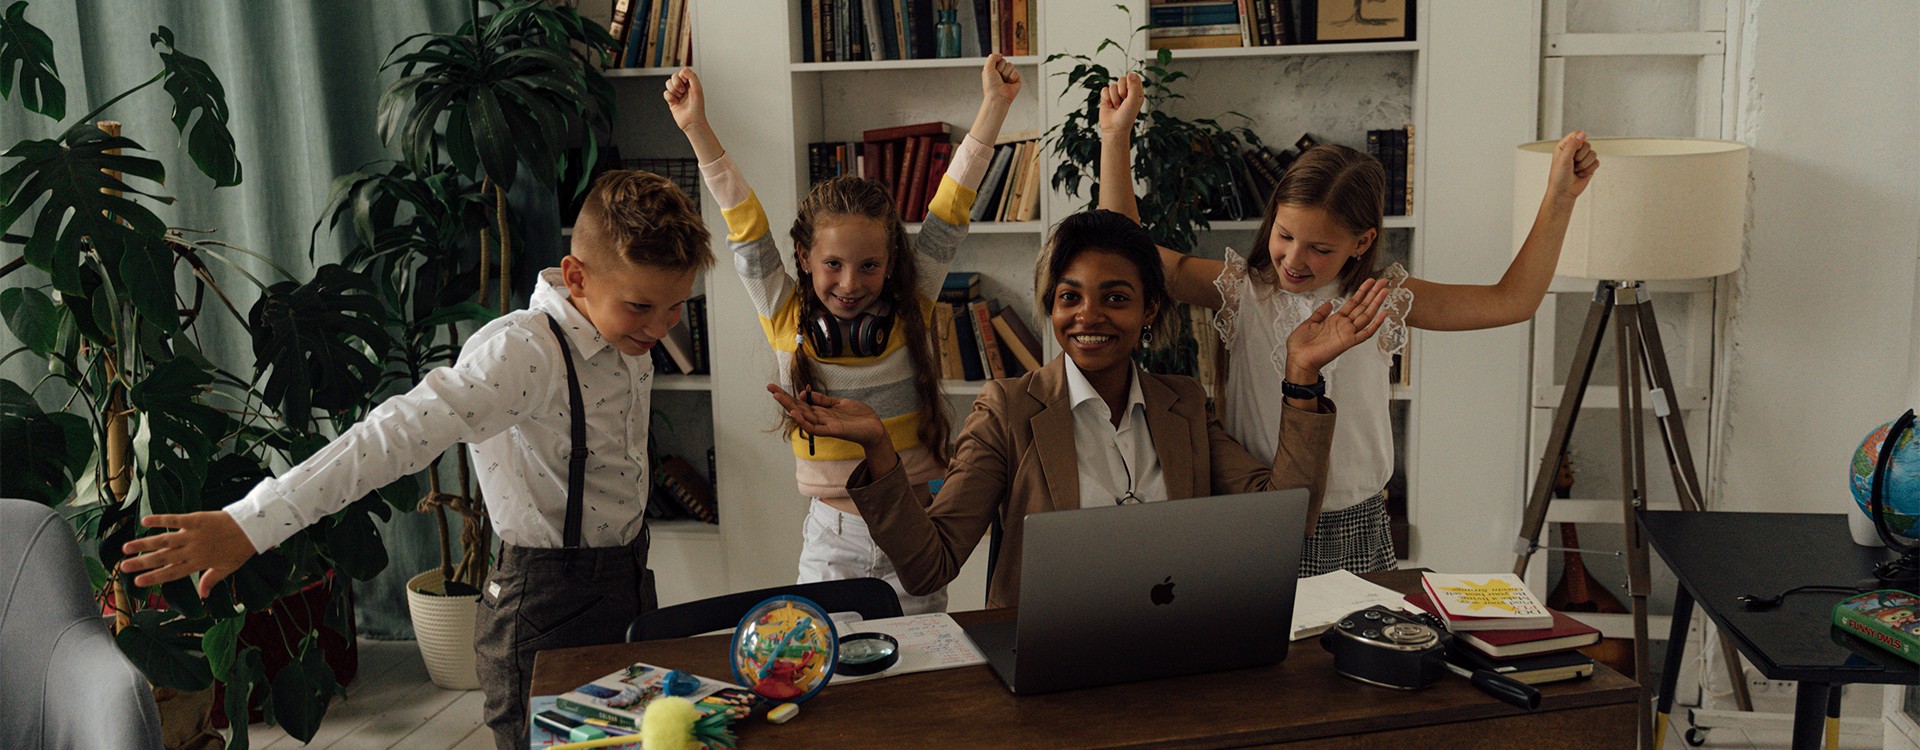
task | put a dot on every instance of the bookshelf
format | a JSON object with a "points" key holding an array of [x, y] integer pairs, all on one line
{"points": [[1471, 90]]}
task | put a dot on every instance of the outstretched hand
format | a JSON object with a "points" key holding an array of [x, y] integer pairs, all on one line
{"points": [[1574, 163], [827, 416], [685, 99], [1120, 105], [999, 79], [209, 543], [1328, 333]]}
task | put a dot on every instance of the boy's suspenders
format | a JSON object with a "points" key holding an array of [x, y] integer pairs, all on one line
{"points": [[577, 458]]}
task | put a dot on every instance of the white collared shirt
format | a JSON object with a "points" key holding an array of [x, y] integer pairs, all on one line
{"points": [[1112, 460], [507, 399]]}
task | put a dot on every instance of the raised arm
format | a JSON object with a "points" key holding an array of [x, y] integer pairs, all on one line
{"points": [[1462, 307], [950, 207], [755, 256], [688, 103], [1189, 279]]}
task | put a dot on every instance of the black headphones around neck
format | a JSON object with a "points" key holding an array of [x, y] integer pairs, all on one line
{"points": [[863, 336]]}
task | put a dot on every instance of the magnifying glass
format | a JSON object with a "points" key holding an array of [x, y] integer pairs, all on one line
{"points": [[867, 653]]}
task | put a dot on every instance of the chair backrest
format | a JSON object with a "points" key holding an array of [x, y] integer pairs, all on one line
{"points": [[871, 597], [66, 684]]}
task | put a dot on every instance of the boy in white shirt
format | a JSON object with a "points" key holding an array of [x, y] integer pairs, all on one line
{"points": [[553, 402]]}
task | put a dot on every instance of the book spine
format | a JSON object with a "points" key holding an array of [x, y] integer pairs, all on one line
{"points": [[1022, 28], [949, 348], [988, 339], [971, 366], [697, 326], [621, 21]]}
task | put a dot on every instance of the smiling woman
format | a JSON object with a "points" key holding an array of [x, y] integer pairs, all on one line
{"points": [[1090, 428]]}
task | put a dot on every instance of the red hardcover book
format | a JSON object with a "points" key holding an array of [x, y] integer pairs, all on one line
{"points": [[942, 154], [902, 188], [1566, 634], [916, 206], [870, 164]]}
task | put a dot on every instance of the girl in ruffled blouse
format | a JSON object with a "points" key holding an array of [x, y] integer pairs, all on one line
{"points": [[1315, 244]]}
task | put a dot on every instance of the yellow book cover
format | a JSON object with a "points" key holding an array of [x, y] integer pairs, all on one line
{"points": [[1490, 601]]}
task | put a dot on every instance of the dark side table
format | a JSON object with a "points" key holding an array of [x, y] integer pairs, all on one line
{"points": [[1719, 556]]}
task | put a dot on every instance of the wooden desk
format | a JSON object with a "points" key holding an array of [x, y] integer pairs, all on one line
{"points": [[1298, 703]]}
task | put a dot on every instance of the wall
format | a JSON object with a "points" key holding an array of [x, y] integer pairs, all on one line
{"points": [[1822, 330]]}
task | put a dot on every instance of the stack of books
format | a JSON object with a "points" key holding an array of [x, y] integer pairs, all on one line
{"points": [[911, 159], [867, 30], [654, 33], [1196, 24], [683, 351], [1394, 148], [1503, 627], [977, 339]]}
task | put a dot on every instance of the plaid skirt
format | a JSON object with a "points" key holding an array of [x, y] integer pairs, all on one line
{"points": [[1355, 538]]}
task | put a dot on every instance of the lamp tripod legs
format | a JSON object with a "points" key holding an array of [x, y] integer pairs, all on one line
{"points": [[1640, 354]]}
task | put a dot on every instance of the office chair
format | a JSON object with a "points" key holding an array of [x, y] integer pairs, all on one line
{"points": [[871, 597], [67, 684]]}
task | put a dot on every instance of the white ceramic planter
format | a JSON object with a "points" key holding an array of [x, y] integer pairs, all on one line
{"points": [[443, 627]]}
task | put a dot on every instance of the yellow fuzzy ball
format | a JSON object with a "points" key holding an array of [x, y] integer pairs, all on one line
{"points": [[668, 725]]}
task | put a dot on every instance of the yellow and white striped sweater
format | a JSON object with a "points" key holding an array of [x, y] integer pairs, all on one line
{"points": [[885, 381]]}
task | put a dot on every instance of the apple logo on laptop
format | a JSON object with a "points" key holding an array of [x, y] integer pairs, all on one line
{"points": [[1162, 592]]}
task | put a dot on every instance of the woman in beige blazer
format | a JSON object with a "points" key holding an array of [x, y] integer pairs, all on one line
{"points": [[1017, 454]]}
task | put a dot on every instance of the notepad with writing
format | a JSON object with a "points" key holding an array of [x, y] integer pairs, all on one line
{"points": [[1490, 601], [1566, 633]]}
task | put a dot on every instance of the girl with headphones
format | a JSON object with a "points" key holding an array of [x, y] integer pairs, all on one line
{"points": [[853, 321]]}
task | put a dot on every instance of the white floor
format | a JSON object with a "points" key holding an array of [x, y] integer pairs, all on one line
{"points": [[393, 704]]}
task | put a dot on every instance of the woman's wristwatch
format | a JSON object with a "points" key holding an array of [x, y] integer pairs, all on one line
{"points": [[1312, 392]]}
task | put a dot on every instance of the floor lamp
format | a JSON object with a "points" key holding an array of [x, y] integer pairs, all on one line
{"points": [[1661, 208]]}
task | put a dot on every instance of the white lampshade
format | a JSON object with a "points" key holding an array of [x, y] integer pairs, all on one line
{"points": [[1660, 208]]}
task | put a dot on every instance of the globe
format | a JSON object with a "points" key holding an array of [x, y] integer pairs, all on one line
{"points": [[785, 649], [1902, 482]]}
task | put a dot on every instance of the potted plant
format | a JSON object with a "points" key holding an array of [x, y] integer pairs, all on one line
{"points": [[149, 423], [1183, 164], [472, 112]]}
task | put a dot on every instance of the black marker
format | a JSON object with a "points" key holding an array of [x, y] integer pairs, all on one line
{"points": [[808, 396]]}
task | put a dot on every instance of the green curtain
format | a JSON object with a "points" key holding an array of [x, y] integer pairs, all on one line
{"points": [[303, 83]]}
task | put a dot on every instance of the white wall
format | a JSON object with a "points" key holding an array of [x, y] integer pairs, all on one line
{"points": [[1822, 330]]}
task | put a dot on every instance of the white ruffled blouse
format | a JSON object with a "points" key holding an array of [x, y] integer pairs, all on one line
{"points": [[1254, 320]]}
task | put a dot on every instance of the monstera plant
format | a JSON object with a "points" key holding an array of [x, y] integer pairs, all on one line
{"points": [[472, 113], [147, 422]]}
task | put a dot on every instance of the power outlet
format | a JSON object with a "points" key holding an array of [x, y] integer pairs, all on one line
{"points": [[1762, 686]]}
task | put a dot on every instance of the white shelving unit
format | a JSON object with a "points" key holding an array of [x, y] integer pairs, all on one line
{"points": [[1474, 88]]}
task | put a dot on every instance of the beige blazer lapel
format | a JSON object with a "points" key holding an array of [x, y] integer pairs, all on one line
{"points": [[1053, 436], [1173, 440]]}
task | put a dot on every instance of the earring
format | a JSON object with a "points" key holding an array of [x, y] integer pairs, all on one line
{"points": [[1146, 336]]}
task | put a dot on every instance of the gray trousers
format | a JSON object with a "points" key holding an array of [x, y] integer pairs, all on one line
{"points": [[539, 599]]}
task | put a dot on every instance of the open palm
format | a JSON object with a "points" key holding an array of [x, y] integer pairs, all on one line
{"points": [[1328, 332], [827, 416]]}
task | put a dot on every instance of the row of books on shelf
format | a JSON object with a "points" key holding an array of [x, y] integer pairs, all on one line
{"points": [[654, 33], [1202, 24], [683, 351], [1394, 148], [911, 159], [863, 30], [1257, 171], [977, 339]]}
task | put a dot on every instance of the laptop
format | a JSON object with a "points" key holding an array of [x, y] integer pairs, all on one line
{"points": [[1137, 592]]}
